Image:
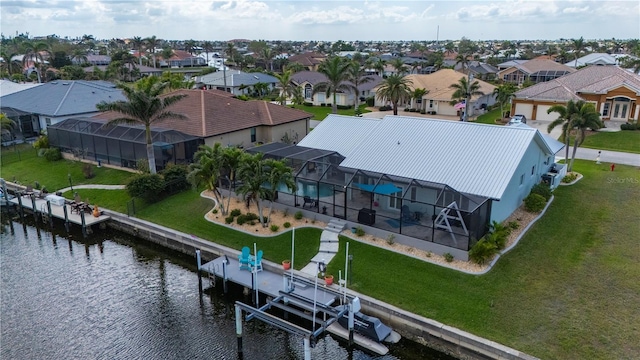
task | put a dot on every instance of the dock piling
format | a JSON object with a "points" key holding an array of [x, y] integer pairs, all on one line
{"points": [[66, 218], [239, 329], [224, 277], [199, 266], [307, 348], [33, 207], [50, 214], [19, 196], [84, 224]]}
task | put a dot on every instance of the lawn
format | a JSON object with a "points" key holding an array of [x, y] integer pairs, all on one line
{"points": [[569, 290], [321, 112], [627, 141], [489, 118]]}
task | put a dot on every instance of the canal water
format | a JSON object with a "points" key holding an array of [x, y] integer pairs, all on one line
{"points": [[111, 296]]}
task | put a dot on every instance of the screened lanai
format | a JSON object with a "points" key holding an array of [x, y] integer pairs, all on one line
{"points": [[121, 145], [420, 209]]}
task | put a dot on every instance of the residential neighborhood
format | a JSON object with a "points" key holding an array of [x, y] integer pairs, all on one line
{"points": [[477, 172]]}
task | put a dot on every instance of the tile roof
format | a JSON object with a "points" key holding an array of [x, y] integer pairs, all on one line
{"points": [[308, 59], [476, 159], [439, 84], [533, 66], [63, 97], [592, 79], [214, 112]]}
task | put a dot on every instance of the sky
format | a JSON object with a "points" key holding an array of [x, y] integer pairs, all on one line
{"points": [[326, 20]]}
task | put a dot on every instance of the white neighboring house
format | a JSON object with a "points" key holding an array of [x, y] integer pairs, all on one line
{"points": [[236, 82]]}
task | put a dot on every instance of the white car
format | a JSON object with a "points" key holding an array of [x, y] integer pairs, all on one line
{"points": [[517, 119]]}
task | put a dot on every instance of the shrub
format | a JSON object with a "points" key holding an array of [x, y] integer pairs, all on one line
{"points": [[287, 225], [251, 216], [569, 178], [274, 227], [423, 111], [87, 170], [228, 219], [146, 186], [36, 185], [344, 107], [241, 219], [629, 126], [323, 104], [235, 212], [41, 143], [306, 103], [285, 212], [52, 154], [360, 231], [482, 251], [41, 152], [542, 189], [513, 225], [391, 239], [298, 215], [214, 211], [534, 203], [142, 165], [407, 109], [175, 178], [448, 257]]}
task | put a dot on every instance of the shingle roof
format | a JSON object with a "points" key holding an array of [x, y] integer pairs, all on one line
{"points": [[236, 78], [593, 59], [9, 87], [312, 77], [308, 59], [63, 97], [439, 84], [213, 112], [472, 158], [591, 80]]}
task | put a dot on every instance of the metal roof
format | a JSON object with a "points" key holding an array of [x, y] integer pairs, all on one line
{"points": [[477, 159], [343, 134]]}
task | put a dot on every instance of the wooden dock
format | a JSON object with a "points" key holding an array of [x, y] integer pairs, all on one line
{"points": [[57, 211]]}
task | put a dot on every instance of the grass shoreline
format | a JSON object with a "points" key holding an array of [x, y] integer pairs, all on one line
{"points": [[564, 292]]}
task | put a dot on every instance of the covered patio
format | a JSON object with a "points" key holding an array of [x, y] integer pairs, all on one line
{"points": [[419, 209]]}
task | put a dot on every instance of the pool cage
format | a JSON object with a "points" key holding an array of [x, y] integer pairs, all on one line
{"points": [[419, 209], [121, 145]]}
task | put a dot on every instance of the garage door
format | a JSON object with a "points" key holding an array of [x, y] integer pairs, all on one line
{"points": [[524, 109], [541, 113]]}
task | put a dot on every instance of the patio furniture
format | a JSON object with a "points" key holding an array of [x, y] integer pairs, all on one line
{"points": [[256, 263], [28, 191], [406, 213], [244, 259], [308, 200]]}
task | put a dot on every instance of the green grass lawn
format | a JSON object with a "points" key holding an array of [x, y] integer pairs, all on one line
{"points": [[569, 290], [489, 118], [321, 112], [627, 141]]}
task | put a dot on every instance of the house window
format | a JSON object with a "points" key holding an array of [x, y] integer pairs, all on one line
{"points": [[48, 121], [521, 179], [253, 135], [430, 103], [394, 200], [308, 91], [605, 110], [414, 192]]}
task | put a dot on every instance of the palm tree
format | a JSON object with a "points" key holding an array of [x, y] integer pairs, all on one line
{"points": [[463, 60], [136, 43], [80, 56], [294, 67], [144, 106], [417, 95], [578, 46], [189, 47], [337, 72], [207, 46], [152, 44], [399, 65], [205, 170], [34, 53], [395, 88], [251, 173], [285, 85], [277, 174], [464, 91], [574, 114], [230, 162], [504, 93], [357, 76], [6, 124], [267, 55]]}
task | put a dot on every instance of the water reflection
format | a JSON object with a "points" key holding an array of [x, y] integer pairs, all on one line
{"points": [[111, 296]]}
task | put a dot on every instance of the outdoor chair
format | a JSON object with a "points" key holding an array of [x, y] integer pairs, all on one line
{"points": [[244, 259], [308, 200], [256, 263], [406, 213]]}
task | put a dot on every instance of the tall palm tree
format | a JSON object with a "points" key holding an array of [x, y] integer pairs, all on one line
{"points": [[152, 44], [80, 56], [464, 91], [578, 46], [277, 174], [143, 106], [357, 77], [285, 85], [337, 72], [230, 162], [267, 55], [574, 114], [207, 46], [205, 170], [399, 65], [251, 173], [587, 117], [463, 60], [504, 93], [294, 67], [396, 89], [136, 44], [33, 52], [6, 124], [189, 46]]}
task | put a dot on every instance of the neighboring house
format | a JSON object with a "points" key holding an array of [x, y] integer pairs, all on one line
{"points": [[55, 101], [593, 59], [237, 82], [97, 60], [306, 80], [181, 58], [614, 92], [310, 60], [14, 135], [483, 71], [427, 165], [438, 99], [535, 71], [511, 63], [216, 117], [144, 70]]}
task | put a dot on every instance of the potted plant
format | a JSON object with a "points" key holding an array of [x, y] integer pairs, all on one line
{"points": [[286, 264], [328, 279]]}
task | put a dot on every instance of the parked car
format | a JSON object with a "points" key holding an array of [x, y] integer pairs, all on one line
{"points": [[518, 119]]}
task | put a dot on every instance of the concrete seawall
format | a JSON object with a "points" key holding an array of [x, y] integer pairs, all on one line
{"points": [[425, 331]]}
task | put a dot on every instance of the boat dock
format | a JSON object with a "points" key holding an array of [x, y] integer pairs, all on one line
{"points": [[306, 298]]}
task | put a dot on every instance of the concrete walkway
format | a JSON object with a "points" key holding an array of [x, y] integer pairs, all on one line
{"points": [[94, 186], [329, 245]]}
